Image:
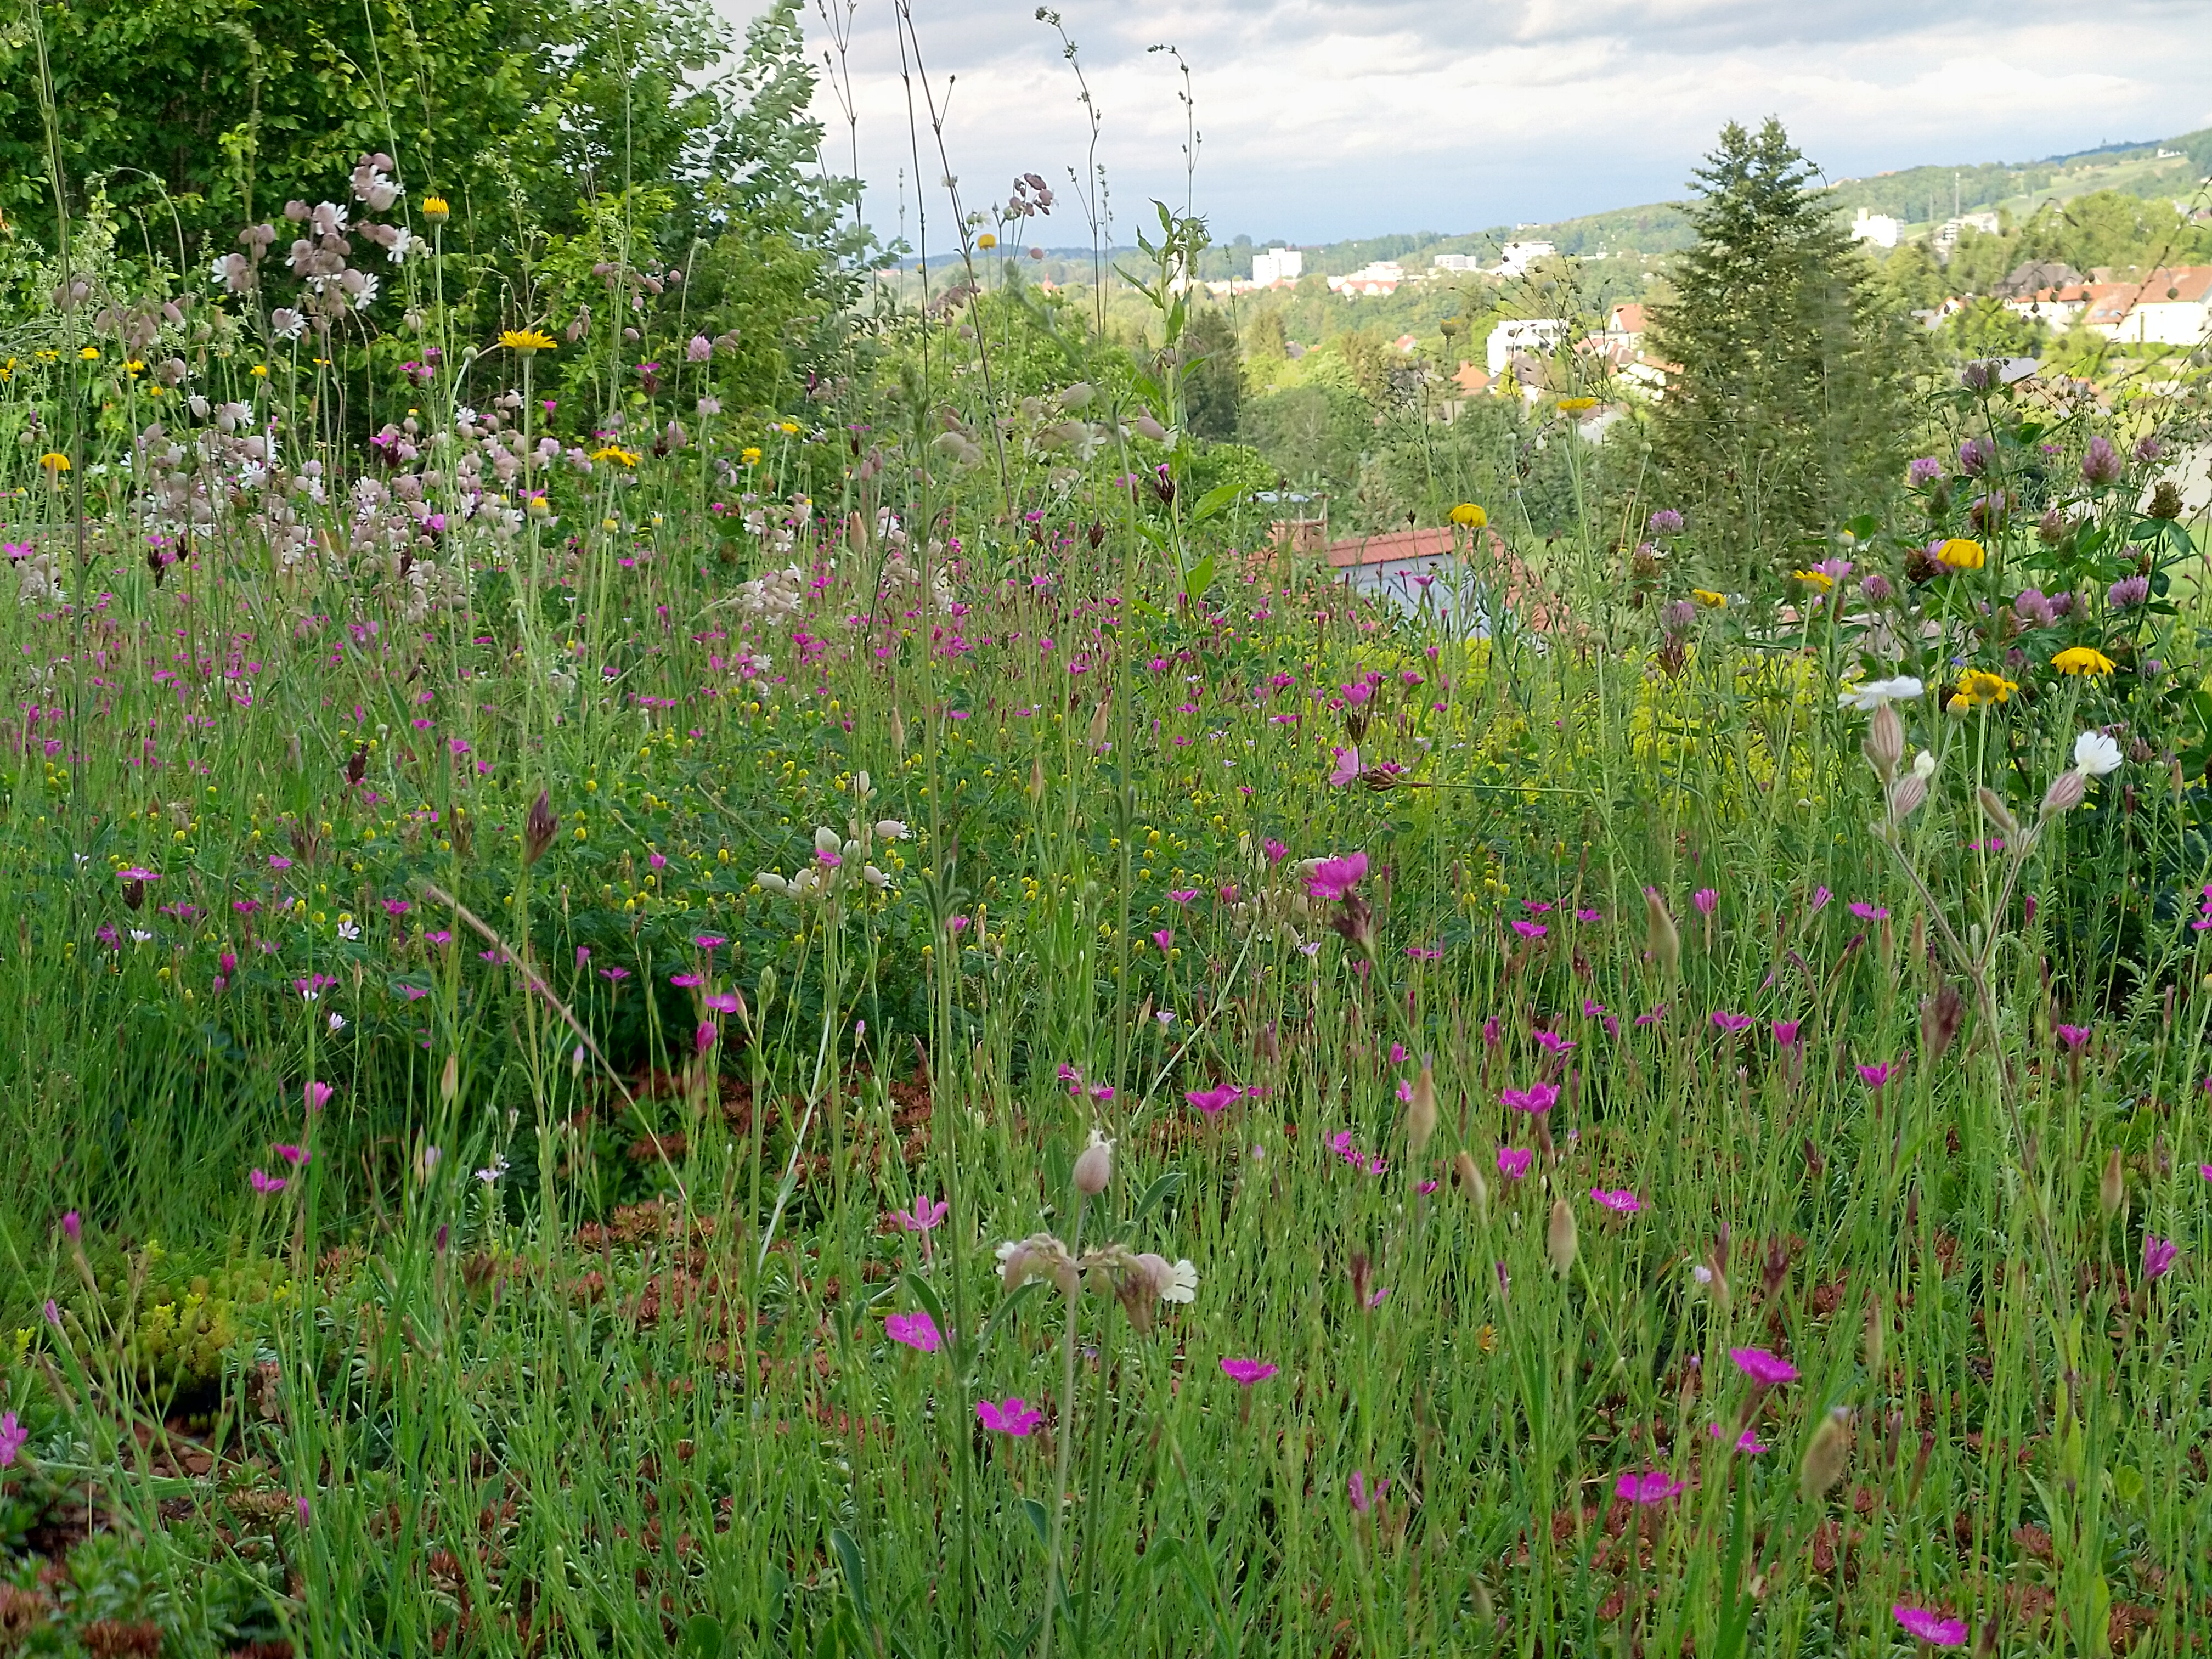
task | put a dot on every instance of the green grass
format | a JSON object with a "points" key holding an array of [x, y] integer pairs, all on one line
{"points": [[571, 1332]]}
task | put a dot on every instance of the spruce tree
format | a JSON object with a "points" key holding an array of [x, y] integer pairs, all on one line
{"points": [[1786, 412]]}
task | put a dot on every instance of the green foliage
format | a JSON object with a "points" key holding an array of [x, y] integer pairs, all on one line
{"points": [[1213, 376], [1788, 410]]}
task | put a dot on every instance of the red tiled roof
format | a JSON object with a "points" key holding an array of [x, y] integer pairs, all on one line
{"points": [[1521, 587]]}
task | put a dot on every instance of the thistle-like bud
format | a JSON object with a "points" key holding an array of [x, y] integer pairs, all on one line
{"points": [[1661, 943], [1884, 746], [2065, 792], [1999, 815], [538, 828], [1825, 1456], [1560, 1243], [2112, 1186], [1094, 1168], [1421, 1110]]}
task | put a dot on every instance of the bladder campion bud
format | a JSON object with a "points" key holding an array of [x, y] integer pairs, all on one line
{"points": [[1559, 1240]]}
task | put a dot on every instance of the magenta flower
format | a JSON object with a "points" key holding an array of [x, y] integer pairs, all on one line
{"points": [[1346, 769], [265, 1184], [316, 1095], [1589, 915], [2158, 1256], [1731, 1023], [2205, 1169], [723, 1002], [924, 1216], [1649, 1486], [2074, 1035], [1747, 1441], [136, 872], [1013, 1415], [1866, 912], [13, 1434], [685, 981], [1620, 1199], [72, 1226], [614, 975], [1931, 1627], [1164, 938], [1513, 1162], [706, 1035], [1332, 878], [1552, 1043], [1768, 1371], [1820, 897], [1879, 1074], [709, 942], [1707, 899], [1537, 1098], [1786, 1032], [1247, 1371], [1275, 850], [1184, 894], [1214, 1100], [1531, 930], [294, 1156], [1362, 1499], [916, 1330]]}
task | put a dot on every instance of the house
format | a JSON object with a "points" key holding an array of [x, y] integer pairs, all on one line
{"points": [[2171, 306], [1455, 262], [1946, 238], [1523, 333], [1277, 265], [1373, 279], [1627, 321], [1515, 257], [1471, 379], [1876, 227], [2056, 308], [2026, 278], [1423, 569]]}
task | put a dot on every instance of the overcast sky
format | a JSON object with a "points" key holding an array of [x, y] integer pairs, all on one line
{"points": [[1320, 119]]}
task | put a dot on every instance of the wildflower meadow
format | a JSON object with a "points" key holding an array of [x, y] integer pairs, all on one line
{"points": [[667, 995]]}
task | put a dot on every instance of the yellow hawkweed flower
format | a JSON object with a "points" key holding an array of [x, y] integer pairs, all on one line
{"points": [[1961, 553], [1577, 405], [2082, 659], [525, 340], [1817, 578], [90, 353], [987, 240], [1710, 600], [54, 461], [1979, 688], [1467, 516], [614, 452], [789, 428], [260, 371], [437, 209], [750, 456]]}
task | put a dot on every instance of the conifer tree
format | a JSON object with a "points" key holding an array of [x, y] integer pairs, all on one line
{"points": [[1787, 413]]}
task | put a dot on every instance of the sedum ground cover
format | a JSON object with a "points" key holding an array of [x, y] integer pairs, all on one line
{"points": [[656, 1030]]}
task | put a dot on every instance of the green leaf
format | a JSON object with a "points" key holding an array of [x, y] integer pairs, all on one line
{"points": [[1195, 583], [703, 1637], [1039, 1522], [1216, 501], [1021, 1294], [1162, 1189], [855, 1573]]}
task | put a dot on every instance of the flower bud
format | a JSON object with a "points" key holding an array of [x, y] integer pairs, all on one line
{"points": [[449, 1080], [1421, 1111], [1469, 1177], [1885, 742], [2065, 792], [1661, 943], [1877, 1333], [1829, 1450], [2112, 1187], [1906, 796], [1999, 815], [1559, 1240], [1095, 1167], [538, 828]]}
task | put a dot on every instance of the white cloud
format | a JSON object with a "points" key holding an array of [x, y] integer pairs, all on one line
{"points": [[1322, 119]]}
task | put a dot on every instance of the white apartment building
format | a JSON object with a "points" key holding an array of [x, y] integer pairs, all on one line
{"points": [[1278, 264], [1876, 227], [1538, 334], [1515, 257]]}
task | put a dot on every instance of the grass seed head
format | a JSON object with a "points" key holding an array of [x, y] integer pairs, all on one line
{"points": [[1560, 1243]]}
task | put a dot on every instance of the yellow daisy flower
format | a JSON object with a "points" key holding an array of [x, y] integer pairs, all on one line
{"points": [[2082, 659], [1961, 555]]}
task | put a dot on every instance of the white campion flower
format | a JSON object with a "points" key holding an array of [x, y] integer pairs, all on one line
{"points": [[1867, 695], [1923, 765], [2096, 753], [891, 829]]}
